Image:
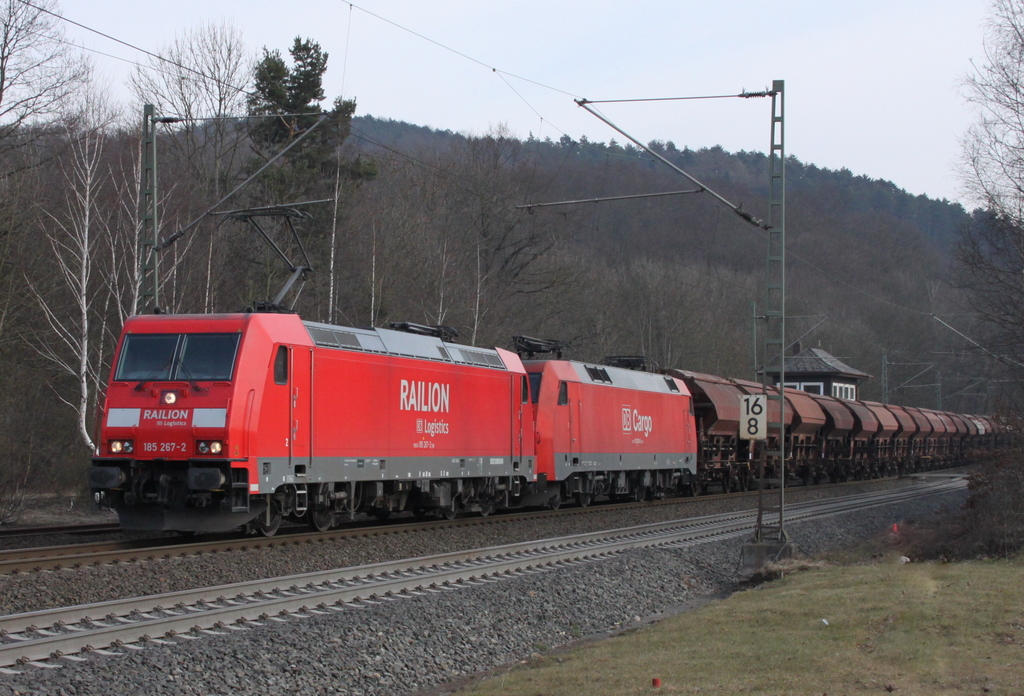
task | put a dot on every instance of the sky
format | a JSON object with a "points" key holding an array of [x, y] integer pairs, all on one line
{"points": [[873, 86]]}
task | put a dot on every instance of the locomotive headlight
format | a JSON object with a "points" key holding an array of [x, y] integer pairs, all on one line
{"points": [[119, 446], [209, 446], [169, 397]]}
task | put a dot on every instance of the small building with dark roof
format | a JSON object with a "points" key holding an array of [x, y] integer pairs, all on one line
{"points": [[817, 372]]}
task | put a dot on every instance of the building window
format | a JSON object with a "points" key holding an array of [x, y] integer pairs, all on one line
{"points": [[844, 391]]}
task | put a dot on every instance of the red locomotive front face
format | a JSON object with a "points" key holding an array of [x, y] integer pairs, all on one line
{"points": [[169, 396]]}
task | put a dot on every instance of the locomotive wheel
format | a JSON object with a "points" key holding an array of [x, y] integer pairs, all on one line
{"points": [[320, 520], [320, 516], [584, 499], [486, 508], [382, 514], [261, 526]]}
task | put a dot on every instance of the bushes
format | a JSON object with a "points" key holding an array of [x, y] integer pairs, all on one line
{"points": [[993, 518], [990, 524]]}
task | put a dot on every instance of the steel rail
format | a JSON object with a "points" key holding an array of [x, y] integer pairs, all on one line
{"points": [[35, 559], [91, 528], [217, 610]]}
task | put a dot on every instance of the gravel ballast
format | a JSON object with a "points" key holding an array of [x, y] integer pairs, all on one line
{"points": [[37, 591], [403, 646]]}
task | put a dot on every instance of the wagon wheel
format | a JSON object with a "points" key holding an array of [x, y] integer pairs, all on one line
{"points": [[320, 515]]}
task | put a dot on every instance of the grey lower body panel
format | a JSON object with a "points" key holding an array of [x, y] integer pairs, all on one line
{"points": [[272, 472], [568, 464]]}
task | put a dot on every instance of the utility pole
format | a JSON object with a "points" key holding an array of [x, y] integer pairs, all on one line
{"points": [[753, 338], [885, 379], [770, 542], [149, 228], [775, 312]]}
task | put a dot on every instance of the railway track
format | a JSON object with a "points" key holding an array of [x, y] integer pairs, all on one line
{"points": [[54, 530], [23, 560], [66, 633]]}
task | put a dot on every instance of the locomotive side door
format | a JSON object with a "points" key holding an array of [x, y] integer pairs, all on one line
{"points": [[522, 430], [300, 390], [569, 397], [575, 422]]}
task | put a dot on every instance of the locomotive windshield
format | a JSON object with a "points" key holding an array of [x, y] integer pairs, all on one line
{"points": [[164, 357]]}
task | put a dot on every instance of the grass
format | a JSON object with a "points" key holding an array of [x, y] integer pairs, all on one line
{"points": [[928, 628]]}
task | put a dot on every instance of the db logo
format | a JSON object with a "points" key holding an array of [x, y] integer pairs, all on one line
{"points": [[419, 425], [633, 421]]}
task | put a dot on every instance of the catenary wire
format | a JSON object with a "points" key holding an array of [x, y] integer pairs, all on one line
{"points": [[460, 53], [502, 74], [135, 48]]}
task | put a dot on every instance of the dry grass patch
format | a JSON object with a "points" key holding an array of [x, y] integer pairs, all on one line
{"points": [[928, 628]]}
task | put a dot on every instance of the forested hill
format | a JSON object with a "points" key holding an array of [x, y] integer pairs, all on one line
{"points": [[412, 224], [938, 220], [678, 278]]}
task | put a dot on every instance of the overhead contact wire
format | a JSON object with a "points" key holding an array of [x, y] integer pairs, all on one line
{"points": [[460, 53], [133, 47]]}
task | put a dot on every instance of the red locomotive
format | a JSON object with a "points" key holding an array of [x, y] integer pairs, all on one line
{"points": [[213, 422]]}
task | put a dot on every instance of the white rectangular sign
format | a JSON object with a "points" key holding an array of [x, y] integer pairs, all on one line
{"points": [[754, 417]]}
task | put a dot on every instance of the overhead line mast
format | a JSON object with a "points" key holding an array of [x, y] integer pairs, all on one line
{"points": [[149, 225], [768, 538], [775, 312]]}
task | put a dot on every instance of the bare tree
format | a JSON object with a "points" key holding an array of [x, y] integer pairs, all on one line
{"points": [[202, 81], [73, 234], [39, 73], [992, 165], [991, 249]]}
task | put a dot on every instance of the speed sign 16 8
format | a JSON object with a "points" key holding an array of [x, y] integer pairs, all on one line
{"points": [[754, 417]]}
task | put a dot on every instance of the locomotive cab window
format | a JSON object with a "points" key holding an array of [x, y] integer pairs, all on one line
{"points": [[563, 393], [207, 356], [534, 386], [525, 396], [147, 357], [167, 357], [281, 365]]}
